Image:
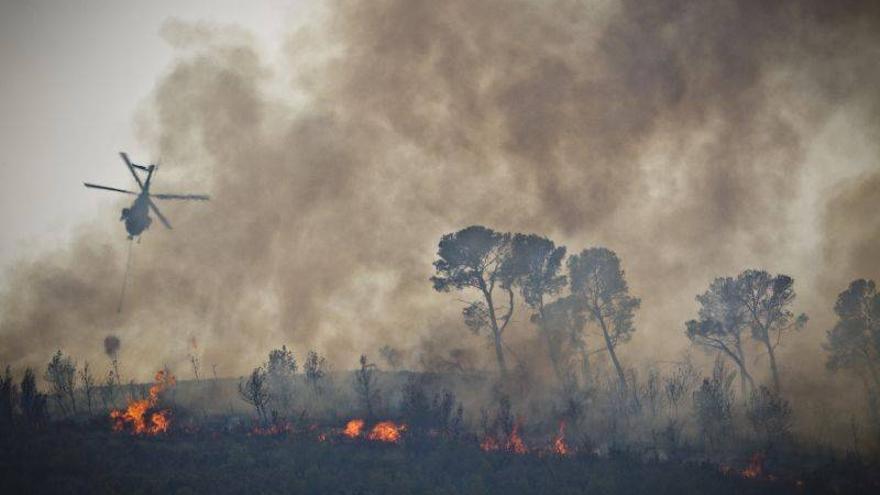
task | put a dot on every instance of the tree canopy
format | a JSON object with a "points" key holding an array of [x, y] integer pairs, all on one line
{"points": [[598, 281], [854, 341]]}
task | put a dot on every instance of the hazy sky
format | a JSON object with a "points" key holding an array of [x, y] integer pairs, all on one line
{"points": [[74, 74]]}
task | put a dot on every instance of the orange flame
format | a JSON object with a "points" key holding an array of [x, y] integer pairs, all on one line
{"points": [[386, 431], [353, 428], [137, 414], [515, 443], [756, 466], [559, 446], [489, 444]]}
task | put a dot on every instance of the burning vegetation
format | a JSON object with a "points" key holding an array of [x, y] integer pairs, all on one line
{"points": [[587, 403], [559, 445], [678, 139], [353, 428], [142, 416], [386, 431], [427, 419]]}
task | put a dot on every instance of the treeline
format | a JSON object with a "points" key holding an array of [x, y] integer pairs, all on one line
{"points": [[571, 299], [581, 310], [581, 305]]}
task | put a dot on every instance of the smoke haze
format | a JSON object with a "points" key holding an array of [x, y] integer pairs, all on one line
{"points": [[695, 139]]}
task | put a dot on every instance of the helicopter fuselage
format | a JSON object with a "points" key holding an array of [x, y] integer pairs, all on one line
{"points": [[137, 217]]}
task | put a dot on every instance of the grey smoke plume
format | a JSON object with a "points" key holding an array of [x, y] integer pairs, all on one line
{"points": [[694, 138]]}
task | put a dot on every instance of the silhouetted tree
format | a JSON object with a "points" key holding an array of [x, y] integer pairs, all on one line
{"points": [[255, 392], [8, 401], [767, 300], [415, 407], [475, 258], [33, 404], [108, 390], [534, 266], [365, 386], [195, 364], [599, 284], [713, 404], [438, 415], [61, 375], [679, 383], [447, 415], [563, 322], [88, 384], [854, 342], [722, 320], [315, 369], [651, 393], [111, 348], [281, 369]]}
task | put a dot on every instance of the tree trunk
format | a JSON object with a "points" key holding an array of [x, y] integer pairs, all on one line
{"points": [[551, 351], [611, 352], [72, 395], [739, 360], [872, 369], [496, 332], [588, 373], [744, 375], [773, 369], [499, 355]]}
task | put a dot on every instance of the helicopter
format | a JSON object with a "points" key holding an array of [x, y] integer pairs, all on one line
{"points": [[137, 218]]}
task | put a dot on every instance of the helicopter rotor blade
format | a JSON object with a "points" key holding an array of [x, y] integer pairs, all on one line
{"points": [[159, 214], [194, 197], [107, 188], [131, 168]]}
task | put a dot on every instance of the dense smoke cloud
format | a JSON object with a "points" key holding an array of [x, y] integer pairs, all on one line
{"points": [[694, 138]]}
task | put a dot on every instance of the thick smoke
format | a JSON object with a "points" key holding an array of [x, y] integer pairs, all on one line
{"points": [[694, 138]]}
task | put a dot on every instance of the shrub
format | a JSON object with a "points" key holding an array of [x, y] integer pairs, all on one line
{"points": [[713, 404], [769, 415]]}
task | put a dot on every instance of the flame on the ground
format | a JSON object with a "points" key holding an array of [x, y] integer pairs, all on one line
{"points": [[559, 445], [386, 431], [489, 444], [515, 443], [756, 466], [138, 415], [353, 428]]}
